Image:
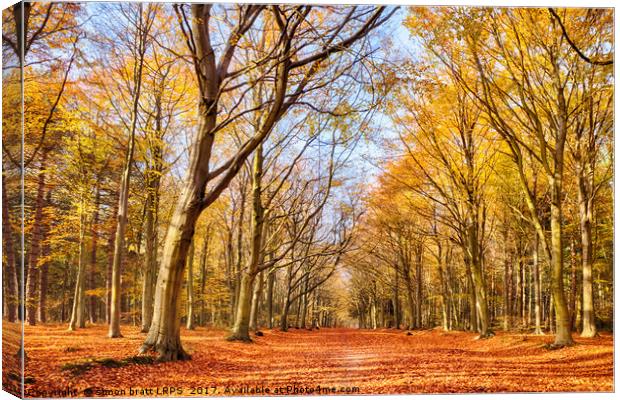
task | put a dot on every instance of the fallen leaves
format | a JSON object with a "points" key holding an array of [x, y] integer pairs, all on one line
{"points": [[381, 361]]}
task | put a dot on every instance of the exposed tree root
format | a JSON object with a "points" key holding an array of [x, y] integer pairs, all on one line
{"points": [[118, 336], [167, 350], [239, 338], [557, 346], [487, 335]]}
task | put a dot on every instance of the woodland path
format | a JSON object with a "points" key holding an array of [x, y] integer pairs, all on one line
{"points": [[381, 361]]}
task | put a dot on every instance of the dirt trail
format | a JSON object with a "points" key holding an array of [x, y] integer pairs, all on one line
{"points": [[349, 360]]}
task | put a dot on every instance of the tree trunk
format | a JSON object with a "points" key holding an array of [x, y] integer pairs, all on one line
{"points": [[410, 300], [94, 233], [119, 246], [471, 292], [241, 328], [304, 308], [373, 312], [524, 290], [479, 317], [230, 276], [32, 273], [443, 292], [298, 300], [419, 280], [190, 288], [10, 279], [256, 295], [239, 258], [572, 300], [150, 261], [119, 243], [77, 311], [43, 275], [110, 249], [43, 285], [519, 294], [585, 212], [396, 300], [562, 319], [164, 333], [537, 289], [284, 316], [204, 254], [287, 300], [315, 312], [530, 299], [507, 285], [271, 279], [481, 302]]}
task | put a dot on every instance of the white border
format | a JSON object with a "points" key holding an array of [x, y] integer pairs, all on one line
{"points": [[495, 3]]}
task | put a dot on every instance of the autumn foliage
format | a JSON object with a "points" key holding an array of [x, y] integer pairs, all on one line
{"points": [[379, 198], [375, 361]]}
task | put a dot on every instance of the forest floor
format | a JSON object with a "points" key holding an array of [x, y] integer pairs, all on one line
{"points": [[351, 361]]}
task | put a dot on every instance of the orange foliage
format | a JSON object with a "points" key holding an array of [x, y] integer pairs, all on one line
{"points": [[382, 361]]}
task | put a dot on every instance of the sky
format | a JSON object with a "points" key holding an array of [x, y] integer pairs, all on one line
{"points": [[369, 153]]}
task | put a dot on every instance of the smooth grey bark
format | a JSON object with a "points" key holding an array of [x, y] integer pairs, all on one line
{"points": [[10, 268], [395, 300], [471, 297], [443, 292], [271, 279], [110, 250], [94, 237], [77, 311], [537, 288], [239, 253], [507, 279], [419, 254], [241, 327], [150, 264], [43, 273], [204, 255], [190, 288], [142, 33], [256, 296], [586, 205], [287, 300], [572, 297], [411, 304], [304, 300], [32, 268], [373, 312], [153, 176]]}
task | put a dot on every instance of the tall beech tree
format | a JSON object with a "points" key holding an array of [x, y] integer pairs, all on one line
{"points": [[531, 106], [291, 72], [139, 23], [38, 29], [277, 198], [445, 126], [591, 127], [165, 94]]}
